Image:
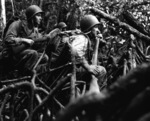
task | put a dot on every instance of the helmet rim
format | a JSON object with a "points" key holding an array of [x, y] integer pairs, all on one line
{"points": [[87, 22], [61, 25]]}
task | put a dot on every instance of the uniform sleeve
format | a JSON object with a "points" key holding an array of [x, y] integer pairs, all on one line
{"points": [[54, 33], [12, 33], [80, 44]]}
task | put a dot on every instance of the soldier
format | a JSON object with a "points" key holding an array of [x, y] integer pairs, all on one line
{"points": [[55, 43], [62, 26], [23, 40], [82, 45]]}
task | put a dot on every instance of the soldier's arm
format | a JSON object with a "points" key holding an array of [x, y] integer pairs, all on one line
{"points": [[12, 37], [14, 41]]}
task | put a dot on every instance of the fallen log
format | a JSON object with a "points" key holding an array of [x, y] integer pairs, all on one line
{"points": [[120, 24], [134, 22]]}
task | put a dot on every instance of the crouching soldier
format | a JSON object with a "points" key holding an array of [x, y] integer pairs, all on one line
{"points": [[84, 44], [21, 38]]}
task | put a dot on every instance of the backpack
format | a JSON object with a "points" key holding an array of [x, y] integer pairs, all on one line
{"points": [[3, 50], [62, 49], [57, 48], [11, 20]]}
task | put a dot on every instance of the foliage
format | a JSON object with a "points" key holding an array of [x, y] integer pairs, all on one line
{"points": [[70, 11]]}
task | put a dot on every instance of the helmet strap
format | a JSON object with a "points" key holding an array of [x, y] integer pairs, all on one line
{"points": [[34, 24], [87, 32]]}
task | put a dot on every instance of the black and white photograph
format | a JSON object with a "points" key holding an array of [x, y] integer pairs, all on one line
{"points": [[74, 60]]}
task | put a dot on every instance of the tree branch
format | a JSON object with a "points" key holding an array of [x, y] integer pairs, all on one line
{"points": [[121, 24]]}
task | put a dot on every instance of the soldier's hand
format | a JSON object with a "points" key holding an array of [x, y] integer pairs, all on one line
{"points": [[94, 70], [28, 41]]}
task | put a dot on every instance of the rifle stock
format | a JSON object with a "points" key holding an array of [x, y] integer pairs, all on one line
{"points": [[93, 82]]}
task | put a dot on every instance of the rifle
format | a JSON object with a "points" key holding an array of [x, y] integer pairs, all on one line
{"points": [[93, 82]]}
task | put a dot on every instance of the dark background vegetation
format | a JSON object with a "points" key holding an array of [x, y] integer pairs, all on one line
{"points": [[70, 11]]}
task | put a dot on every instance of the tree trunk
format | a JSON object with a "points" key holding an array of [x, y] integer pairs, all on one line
{"points": [[41, 4], [32, 2], [3, 12], [13, 11]]}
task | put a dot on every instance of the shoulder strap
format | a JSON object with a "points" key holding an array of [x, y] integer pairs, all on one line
{"points": [[12, 19], [89, 53]]}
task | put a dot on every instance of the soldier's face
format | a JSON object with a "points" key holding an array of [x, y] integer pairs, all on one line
{"points": [[38, 18], [63, 29], [95, 31]]}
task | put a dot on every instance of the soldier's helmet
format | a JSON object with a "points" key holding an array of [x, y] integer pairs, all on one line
{"points": [[32, 11], [87, 22], [61, 25]]}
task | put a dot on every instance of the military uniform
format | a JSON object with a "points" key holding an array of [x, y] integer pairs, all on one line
{"points": [[24, 59]]}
